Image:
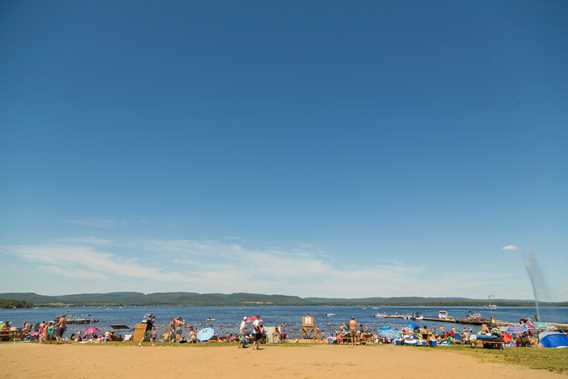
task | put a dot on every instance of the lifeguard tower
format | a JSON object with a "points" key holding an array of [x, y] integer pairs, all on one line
{"points": [[309, 329]]}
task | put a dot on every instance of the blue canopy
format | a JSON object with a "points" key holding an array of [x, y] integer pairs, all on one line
{"points": [[553, 339]]}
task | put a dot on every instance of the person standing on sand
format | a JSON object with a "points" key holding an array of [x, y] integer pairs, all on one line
{"points": [[179, 322], [353, 330], [172, 330], [149, 320], [60, 329], [243, 333], [257, 331]]}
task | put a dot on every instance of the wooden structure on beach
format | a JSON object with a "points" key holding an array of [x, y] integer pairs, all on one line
{"points": [[139, 333], [309, 328]]}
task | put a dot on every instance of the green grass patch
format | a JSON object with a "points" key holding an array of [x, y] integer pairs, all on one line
{"points": [[555, 360]]}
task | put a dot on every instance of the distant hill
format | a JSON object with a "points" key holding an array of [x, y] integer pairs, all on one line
{"points": [[11, 303], [243, 299]]}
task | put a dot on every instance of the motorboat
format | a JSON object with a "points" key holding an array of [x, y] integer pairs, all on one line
{"points": [[444, 315]]}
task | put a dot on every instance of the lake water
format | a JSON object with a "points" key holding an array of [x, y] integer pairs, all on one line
{"points": [[227, 318]]}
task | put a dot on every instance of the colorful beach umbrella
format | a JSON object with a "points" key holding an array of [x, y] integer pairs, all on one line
{"points": [[388, 333], [205, 334], [412, 325], [92, 330], [517, 329]]}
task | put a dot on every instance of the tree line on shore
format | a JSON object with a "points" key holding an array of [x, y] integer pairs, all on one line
{"points": [[28, 299], [12, 304]]}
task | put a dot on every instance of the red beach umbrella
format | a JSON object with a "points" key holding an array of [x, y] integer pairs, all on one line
{"points": [[92, 330]]}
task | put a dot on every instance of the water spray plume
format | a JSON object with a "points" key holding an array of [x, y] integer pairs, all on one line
{"points": [[536, 277]]}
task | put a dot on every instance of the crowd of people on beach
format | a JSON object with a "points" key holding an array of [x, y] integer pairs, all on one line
{"points": [[43, 331], [252, 332]]}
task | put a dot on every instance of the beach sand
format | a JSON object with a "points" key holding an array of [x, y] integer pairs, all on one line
{"points": [[84, 361]]}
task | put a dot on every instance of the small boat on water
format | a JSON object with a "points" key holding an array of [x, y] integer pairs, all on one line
{"points": [[329, 314], [396, 315], [210, 319], [474, 316], [444, 315], [77, 320]]}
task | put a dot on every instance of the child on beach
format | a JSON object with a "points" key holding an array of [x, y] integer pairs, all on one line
{"points": [[353, 331], [42, 336]]}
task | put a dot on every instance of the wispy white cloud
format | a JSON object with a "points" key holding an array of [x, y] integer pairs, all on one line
{"points": [[510, 248], [227, 266], [88, 240], [97, 223], [107, 223], [73, 273], [215, 266], [88, 259]]}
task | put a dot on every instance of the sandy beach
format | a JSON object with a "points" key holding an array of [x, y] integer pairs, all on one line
{"points": [[74, 361]]}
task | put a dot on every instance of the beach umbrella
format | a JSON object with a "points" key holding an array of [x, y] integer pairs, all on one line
{"points": [[91, 330], [553, 340], [205, 334], [388, 333], [412, 325]]}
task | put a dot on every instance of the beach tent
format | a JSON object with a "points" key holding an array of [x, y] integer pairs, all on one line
{"points": [[553, 339]]}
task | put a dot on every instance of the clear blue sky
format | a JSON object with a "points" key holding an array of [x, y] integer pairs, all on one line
{"points": [[310, 148]]}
